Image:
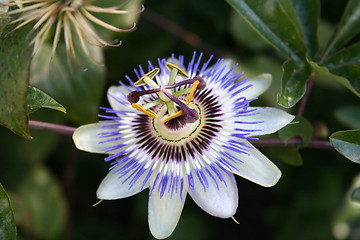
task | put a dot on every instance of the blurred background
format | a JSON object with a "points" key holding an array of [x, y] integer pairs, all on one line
{"points": [[52, 185]]}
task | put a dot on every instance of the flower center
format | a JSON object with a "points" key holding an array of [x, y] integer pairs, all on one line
{"points": [[176, 129], [175, 113]]}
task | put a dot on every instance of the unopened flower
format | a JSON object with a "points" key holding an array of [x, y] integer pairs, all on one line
{"points": [[183, 129], [67, 16]]}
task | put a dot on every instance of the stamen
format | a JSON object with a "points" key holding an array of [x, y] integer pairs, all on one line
{"points": [[150, 75], [171, 107], [191, 94], [152, 103], [147, 79], [166, 94], [181, 72], [178, 114], [175, 71], [140, 108], [172, 77]]}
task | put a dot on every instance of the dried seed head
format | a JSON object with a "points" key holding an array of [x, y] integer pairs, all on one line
{"points": [[67, 16]]}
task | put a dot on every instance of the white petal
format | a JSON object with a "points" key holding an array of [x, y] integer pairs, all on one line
{"points": [[112, 187], [223, 67], [87, 138], [225, 64], [164, 213], [117, 97], [260, 84], [272, 120], [257, 168], [220, 202]]}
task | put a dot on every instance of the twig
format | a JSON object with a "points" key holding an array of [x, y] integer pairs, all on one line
{"points": [[189, 37], [51, 127], [306, 97], [295, 142]]}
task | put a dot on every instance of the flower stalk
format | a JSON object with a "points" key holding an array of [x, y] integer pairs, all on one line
{"points": [[269, 142]]}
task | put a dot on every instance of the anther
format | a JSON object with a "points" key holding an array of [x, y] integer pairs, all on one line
{"points": [[191, 94], [140, 108], [147, 79], [180, 72], [150, 75], [178, 114]]}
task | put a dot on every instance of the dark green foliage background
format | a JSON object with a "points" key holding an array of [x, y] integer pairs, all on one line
{"points": [[52, 185]]}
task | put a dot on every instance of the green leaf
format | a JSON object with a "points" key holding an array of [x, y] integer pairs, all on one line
{"points": [[321, 71], [274, 24], [15, 57], [38, 99], [244, 34], [300, 127], [347, 56], [79, 88], [347, 143], [293, 83], [43, 199], [7, 220], [346, 29], [349, 116], [352, 75], [346, 63], [288, 155], [308, 12]]}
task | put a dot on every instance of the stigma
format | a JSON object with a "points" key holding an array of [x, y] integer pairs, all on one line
{"points": [[176, 96]]}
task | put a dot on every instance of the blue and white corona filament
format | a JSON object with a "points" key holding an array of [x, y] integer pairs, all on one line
{"points": [[183, 129]]}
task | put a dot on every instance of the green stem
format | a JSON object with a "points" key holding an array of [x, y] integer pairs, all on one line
{"points": [[295, 142]]}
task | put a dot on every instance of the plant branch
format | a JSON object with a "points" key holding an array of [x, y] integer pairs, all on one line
{"points": [[189, 37], [51, 127], [295, 142], [304, 100]]}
